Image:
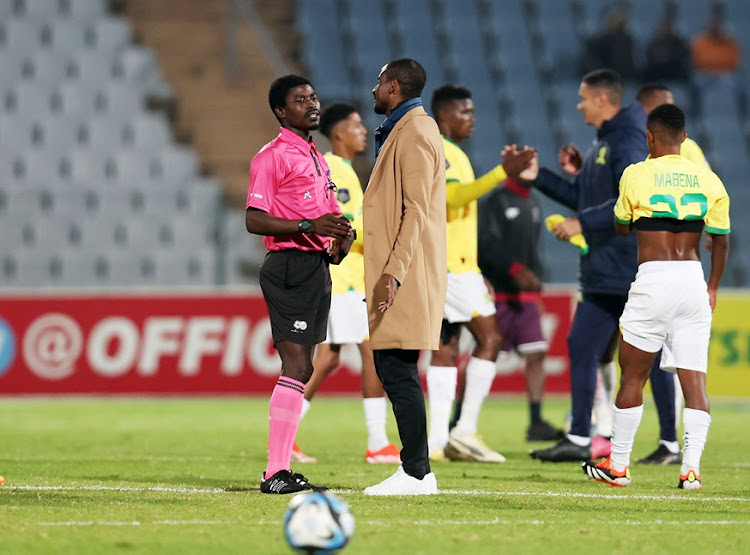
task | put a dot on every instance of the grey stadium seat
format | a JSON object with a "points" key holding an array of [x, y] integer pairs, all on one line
{"points": [[178, 166], [56, 135], [37, 168], [102, 133], [91, 167], [28, 268], [29, 99], [11, 66], [83, 268], [111, 35], [68, 37], [21, 35], [90, 67], [147, 132], [85, 10], [121, 100], [52, 234], [136, 171], [41, 9], [195, 267], [190, 234], [16, 133], [130, 268], [77, 98]]}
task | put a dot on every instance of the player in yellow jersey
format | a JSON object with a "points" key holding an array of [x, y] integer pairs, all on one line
{"points": [[652, 95], [663, 384], [668, 200], [347, 321], [468, 301]]}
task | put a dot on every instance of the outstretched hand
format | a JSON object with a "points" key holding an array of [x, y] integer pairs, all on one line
{"points": [[391, 285], [570, 159], [520, 165]]}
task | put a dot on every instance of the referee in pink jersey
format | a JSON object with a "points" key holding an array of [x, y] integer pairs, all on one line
{"points": [[292, 201]]}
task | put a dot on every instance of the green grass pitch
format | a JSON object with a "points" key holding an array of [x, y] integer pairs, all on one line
{"points": [[123, 475]]}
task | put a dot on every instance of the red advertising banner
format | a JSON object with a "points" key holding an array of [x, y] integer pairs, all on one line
{"points": [[183, 344]]}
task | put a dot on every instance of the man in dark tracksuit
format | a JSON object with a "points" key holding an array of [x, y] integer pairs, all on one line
{"points": [[609, 268], [509, 229]]}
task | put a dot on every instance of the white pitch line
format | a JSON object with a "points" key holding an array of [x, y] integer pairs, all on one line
{"points": [[381, 523], [135, 523], [156, 489], [160, 489]]}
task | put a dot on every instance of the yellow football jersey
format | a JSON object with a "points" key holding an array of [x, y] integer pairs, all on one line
{"points": [[676, 188], [462, 222], [350, 274]]}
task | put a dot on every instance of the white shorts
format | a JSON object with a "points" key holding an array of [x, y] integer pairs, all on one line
{"points": [[668, 309], [466, 298], [347, 319]]}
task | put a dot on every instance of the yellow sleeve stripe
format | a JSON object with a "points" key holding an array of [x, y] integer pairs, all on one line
{"points": [[623, 222], [717, 230]]}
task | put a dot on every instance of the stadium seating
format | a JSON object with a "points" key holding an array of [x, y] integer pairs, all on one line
{"points": [[520, 58], [93, 189]]}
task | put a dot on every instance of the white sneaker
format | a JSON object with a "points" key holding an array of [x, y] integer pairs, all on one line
{"points": [[403, 484], [470, 448]]}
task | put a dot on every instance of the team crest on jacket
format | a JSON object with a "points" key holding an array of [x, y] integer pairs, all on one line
{"points": [[343, 195]]}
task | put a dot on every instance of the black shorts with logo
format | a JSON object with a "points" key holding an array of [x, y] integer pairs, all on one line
{"points": [[297, 288]]}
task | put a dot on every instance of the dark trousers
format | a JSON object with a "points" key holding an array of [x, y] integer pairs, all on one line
{"points": [[594, 325], [397, 369]]}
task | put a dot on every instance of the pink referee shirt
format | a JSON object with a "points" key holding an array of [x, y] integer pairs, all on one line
{"points": [[289, 179]]}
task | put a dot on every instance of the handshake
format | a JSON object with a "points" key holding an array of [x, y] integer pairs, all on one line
{"points": [[521, 165]]}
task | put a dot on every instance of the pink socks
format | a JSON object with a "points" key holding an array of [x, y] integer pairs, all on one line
{"points": [[284, 411]]}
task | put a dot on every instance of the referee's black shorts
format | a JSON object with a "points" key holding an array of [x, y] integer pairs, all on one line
{"points": [[297, 288]]}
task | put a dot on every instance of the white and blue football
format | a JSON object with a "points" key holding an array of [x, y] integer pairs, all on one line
{"points": [[318, 522]]}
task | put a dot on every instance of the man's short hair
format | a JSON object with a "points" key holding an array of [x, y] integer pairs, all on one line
{"points": [[410, 75], [333, 114], [609, 81], [445, 94], [645, 92], [280, 89], [668, 121]]}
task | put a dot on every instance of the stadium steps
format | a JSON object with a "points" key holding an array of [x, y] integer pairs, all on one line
{"points": [[227, 122]]}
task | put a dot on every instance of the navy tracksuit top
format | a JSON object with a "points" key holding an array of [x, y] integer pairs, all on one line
{"points": [[611, 263]]}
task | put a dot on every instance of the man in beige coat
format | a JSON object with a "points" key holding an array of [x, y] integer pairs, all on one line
{"points": [[405, 249]]}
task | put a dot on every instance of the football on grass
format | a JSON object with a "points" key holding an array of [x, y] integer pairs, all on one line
{"points": [[318, 522]]}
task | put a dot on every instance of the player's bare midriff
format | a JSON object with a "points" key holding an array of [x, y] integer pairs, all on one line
{"points": [[668, 245]]}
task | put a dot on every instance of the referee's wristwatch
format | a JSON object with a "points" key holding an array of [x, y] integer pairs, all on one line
{"points": [[305, 226]]}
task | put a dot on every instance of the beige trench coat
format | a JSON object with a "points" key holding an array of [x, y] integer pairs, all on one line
{"points": [[405, 235]]}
